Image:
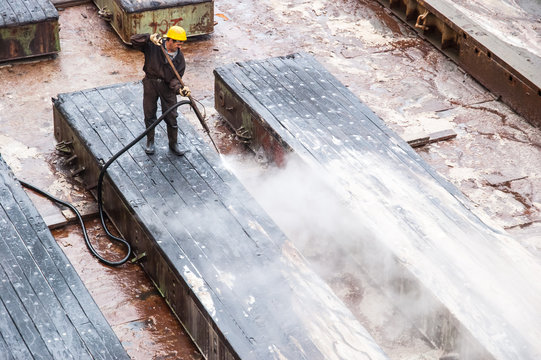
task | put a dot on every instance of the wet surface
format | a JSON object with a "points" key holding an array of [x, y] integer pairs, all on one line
{"points": [[517, 23], [495, 158], [131, 304]]}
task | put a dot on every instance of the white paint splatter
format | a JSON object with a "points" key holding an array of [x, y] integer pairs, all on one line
{"points": [[200, 290]]}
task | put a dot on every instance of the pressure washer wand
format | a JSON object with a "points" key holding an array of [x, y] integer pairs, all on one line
{"points": [[192, 102]]}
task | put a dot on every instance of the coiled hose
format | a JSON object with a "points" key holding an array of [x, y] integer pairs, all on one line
{"points": [[100, 183]]}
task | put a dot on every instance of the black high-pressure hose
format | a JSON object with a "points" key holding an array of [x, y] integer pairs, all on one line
{"points": [[100, 205]]}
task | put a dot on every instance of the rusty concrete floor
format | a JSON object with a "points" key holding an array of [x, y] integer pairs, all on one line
{"points": [[495, 158]]}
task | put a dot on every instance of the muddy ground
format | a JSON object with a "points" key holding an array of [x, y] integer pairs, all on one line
{"points": [[494, 160]]}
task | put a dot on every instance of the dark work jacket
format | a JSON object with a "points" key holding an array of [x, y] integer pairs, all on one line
{"points": [[156, 65]]}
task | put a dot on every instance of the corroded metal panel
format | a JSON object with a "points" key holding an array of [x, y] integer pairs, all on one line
{"points": [[511, 73], [129, 18], [27, 29]]}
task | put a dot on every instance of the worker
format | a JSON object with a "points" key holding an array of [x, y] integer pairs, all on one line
{"points": [[160, 81]]}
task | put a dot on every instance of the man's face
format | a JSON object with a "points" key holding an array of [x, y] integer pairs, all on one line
{"points": [[173, 45]]}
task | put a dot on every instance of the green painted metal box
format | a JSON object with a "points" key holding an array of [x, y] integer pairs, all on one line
{"points": [[129, 17], [28, 28]]}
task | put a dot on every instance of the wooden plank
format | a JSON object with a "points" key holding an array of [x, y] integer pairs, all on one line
{"points": [[50, 311], [29, 342], [34, 9], [5, 322], [21, 12], [245, 291], [422, 139], [6, 14], [22, 16], [48, 8], [411, 213]]}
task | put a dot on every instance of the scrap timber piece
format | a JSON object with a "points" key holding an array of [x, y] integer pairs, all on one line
{"points": [[28, 28], [45, 310], [129, 17], [236, 283], [464, 284]]}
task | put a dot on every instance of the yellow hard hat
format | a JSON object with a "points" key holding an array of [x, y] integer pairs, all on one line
{"points": [[176, 33]]}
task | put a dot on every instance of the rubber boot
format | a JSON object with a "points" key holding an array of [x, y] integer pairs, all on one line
{"points": [[172, 134], [149, 149]]}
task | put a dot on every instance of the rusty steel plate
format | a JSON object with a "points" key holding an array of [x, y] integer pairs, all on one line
{"points": [[129, 17], [27, 29]]}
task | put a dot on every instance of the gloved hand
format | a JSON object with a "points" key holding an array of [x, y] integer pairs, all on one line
{"points": [[185, 91], [156, 39]]}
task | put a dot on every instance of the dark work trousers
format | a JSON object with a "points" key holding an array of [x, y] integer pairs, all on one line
{"points": [[154, 89]]}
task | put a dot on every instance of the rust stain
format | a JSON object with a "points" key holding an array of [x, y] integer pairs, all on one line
{"points": [[131, 304]]}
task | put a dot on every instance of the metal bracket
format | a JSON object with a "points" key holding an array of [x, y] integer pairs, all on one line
{"points": [[71, 159], [105, 14], [65, 147], [78, 171], [421, 19], [243, 134], [138, 257]]}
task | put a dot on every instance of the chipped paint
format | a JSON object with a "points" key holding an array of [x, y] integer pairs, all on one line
{"points": [[201, 291]]}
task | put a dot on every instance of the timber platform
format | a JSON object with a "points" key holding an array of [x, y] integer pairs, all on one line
{"points": [[28, 28], [464, 284], [45, 310], [129, 17], [239, 287]]}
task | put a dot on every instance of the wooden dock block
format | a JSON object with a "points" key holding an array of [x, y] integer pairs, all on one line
{"points": [[477, 286], [129, 17], [236, 283], [45, 310], [28, 28]]}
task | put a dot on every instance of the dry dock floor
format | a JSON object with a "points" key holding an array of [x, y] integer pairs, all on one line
{"points": [[494, 160]]}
